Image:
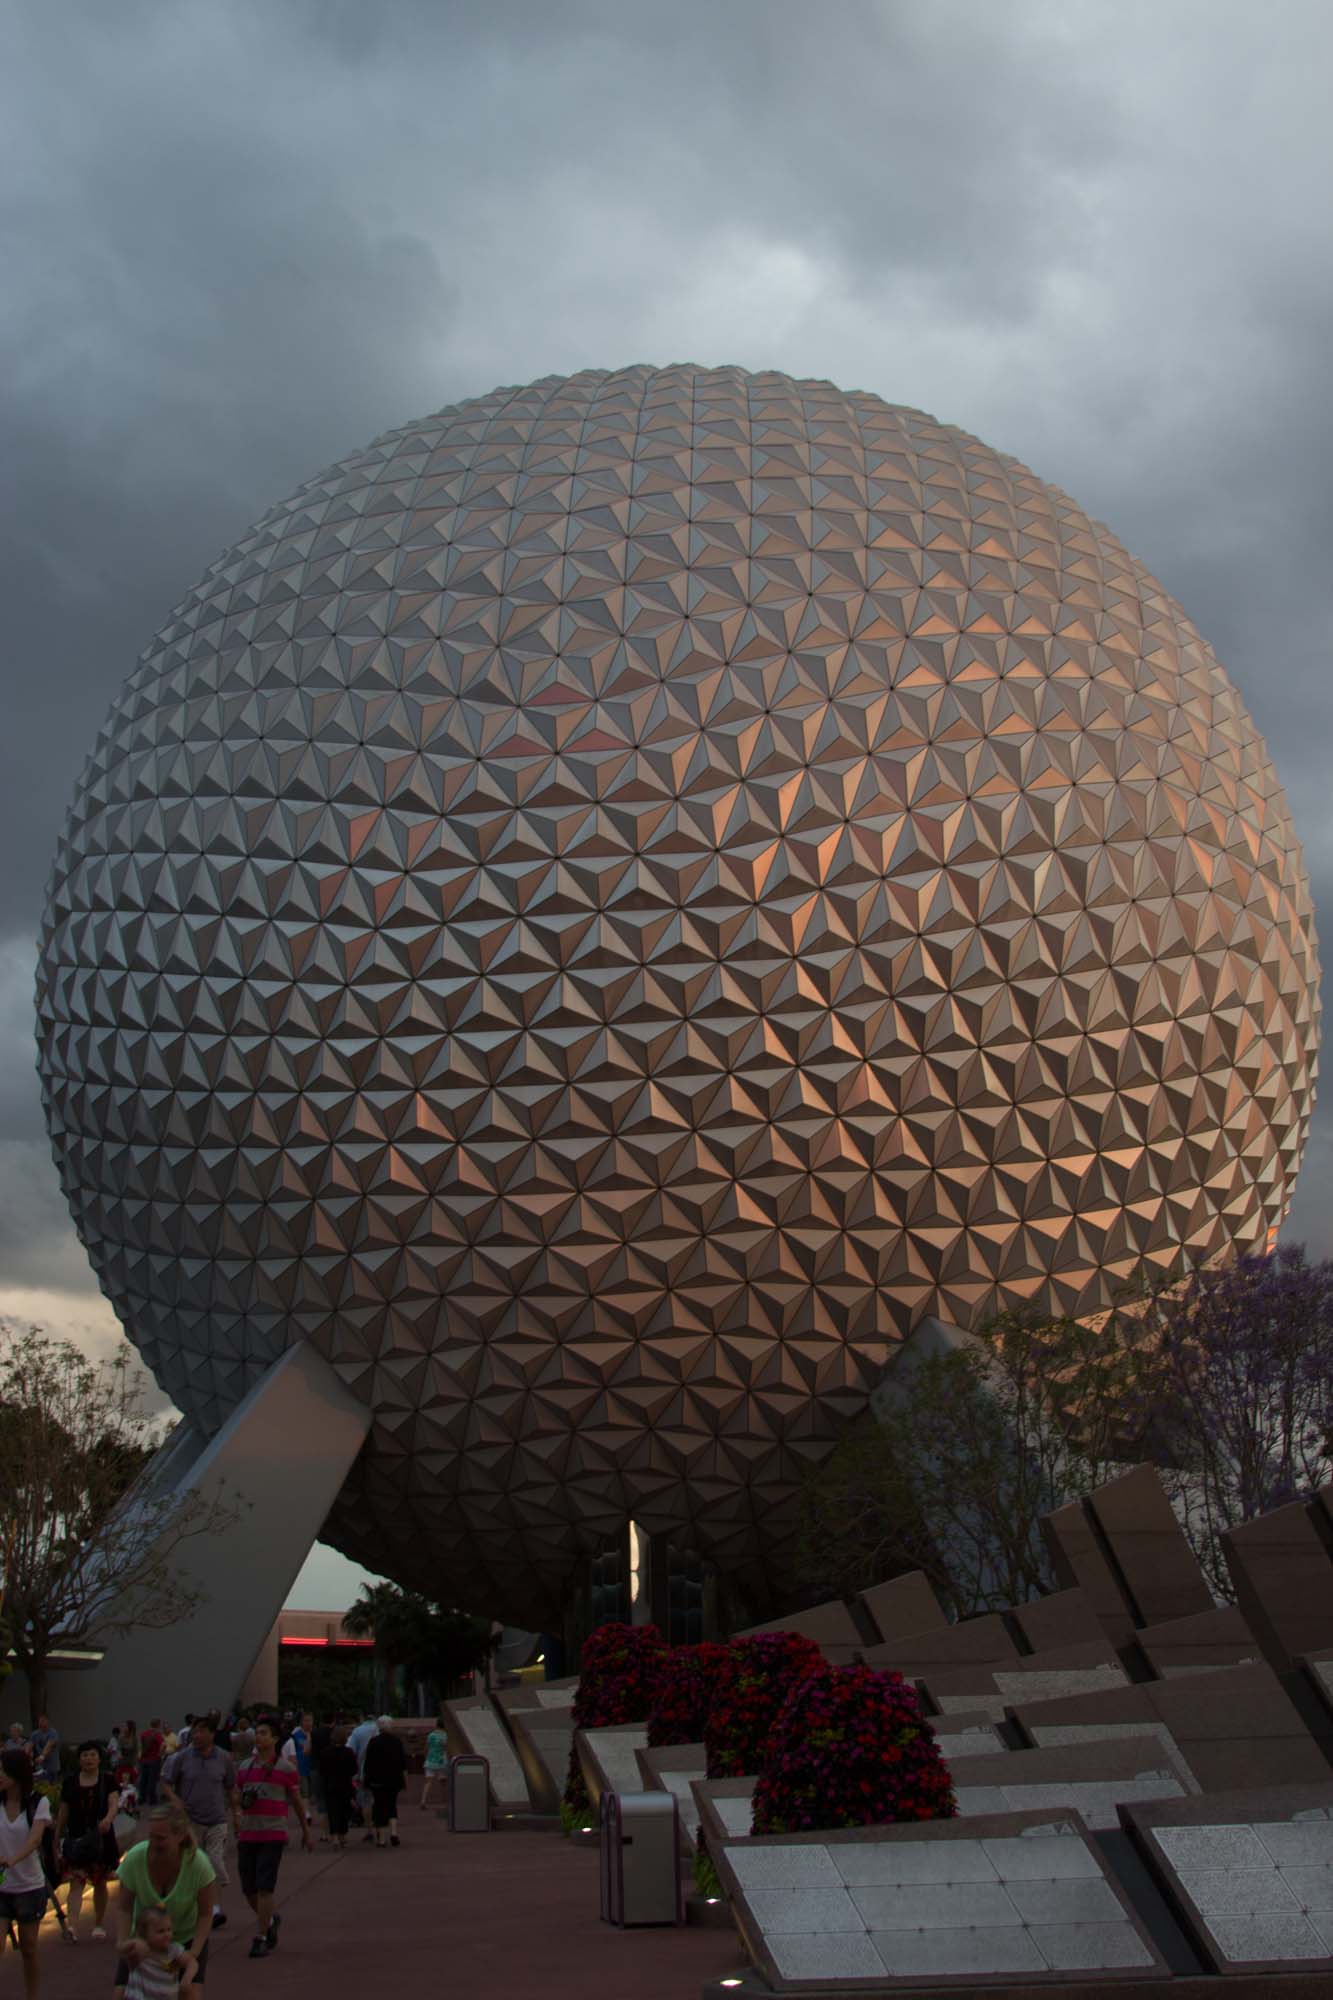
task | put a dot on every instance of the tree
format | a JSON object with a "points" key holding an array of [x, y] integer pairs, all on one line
{"points": [[1241, 1403], [86, 1554], [319, 1679], [433, 1645], [953, 1475]]}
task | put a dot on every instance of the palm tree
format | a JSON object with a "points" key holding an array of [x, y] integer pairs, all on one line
{"points": [[413, 1633]]}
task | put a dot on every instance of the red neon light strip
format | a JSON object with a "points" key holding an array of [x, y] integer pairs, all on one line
{"points": [[326, 1643]]}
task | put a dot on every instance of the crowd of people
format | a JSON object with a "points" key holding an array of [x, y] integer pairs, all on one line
{"points": [[159, 1813]]}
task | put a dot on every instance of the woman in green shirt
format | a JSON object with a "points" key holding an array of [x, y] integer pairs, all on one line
{"points": [[437, 1759], [169, 1869]]}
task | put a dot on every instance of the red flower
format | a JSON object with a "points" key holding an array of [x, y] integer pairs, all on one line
{"points": [[687, 1680], [755, 1679], [851, 1748], [618, 1670]]}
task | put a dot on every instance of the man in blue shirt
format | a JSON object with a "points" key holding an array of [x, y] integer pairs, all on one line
{"points": [[44, 1744], [358, 1738]]}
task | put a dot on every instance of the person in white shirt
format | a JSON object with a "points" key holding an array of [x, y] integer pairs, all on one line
{"points": [[166, 1969], [25, 1816], [297, 1751]]}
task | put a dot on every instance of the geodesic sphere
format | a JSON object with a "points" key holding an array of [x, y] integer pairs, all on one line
{"points": [[615, 900]]}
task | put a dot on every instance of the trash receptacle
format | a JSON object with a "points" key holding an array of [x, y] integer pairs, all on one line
{"points": [[641, 1859], [469, 1793]]}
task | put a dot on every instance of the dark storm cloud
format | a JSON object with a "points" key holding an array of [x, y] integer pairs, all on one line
{"points": [[238, 241]]}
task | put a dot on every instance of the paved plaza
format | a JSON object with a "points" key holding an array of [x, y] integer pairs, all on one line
{"points": [[508, 1914]]}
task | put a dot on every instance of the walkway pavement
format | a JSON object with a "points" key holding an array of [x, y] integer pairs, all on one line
{"points": [[513, 1915]]}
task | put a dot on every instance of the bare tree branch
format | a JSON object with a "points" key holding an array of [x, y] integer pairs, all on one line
{"points": [[87, 1553]]}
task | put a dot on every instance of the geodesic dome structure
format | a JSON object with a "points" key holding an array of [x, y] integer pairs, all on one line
{"points": [[609, 904]]}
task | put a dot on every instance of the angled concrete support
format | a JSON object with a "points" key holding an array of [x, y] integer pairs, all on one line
{"points": [[282, 1455], [931, 1340]]}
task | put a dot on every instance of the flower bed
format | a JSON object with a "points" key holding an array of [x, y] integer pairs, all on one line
{"points": [[618, 1670], [851, 1748], [754, 1681], [687, 1683]]}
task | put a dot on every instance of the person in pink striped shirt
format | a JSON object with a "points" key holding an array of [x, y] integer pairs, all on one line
{"points": [[268, 1787]]}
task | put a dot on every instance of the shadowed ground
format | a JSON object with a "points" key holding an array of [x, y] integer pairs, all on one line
{"points": [[512, 1914]]}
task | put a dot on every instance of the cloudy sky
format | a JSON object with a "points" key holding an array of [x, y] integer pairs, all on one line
{"points": [[242, 237]]}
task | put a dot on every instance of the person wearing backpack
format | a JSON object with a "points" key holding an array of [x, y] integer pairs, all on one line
{"points": [[25, 1817], [85, 1835]]}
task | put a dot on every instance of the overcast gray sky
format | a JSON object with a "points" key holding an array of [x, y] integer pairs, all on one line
{"points": [[242, 237]]}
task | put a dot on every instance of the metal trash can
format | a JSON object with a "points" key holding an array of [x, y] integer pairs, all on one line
{"points": [[641, 1859], [469, 1793]]}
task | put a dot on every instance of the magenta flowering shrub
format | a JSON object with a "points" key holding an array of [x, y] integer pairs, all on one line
{"points": [[851, 1748], [754, 1682], [687, 1682], [618, 1670]]}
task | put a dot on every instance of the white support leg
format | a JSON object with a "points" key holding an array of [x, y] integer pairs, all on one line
{"points": [[281, 1456]]}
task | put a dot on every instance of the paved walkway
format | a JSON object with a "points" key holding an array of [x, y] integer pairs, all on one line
{"points": [[512, 1915]]}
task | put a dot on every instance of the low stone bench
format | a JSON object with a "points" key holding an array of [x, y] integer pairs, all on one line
{"points": [[1318, 1670], [474, 1727], [971, 1734], [540, 1694], [1018, 1896], [1236, 1728], [1042, 1677], [905, 1604], [984, 1641], [831, 1626], [608, 1760], [1093, 1780], [543, 1736], [1061, 1618], [1202, 1642], [725, 1808], [674, 1769], [1250, 1874]]}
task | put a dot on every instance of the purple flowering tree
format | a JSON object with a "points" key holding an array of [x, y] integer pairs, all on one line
{"points": [[1242, 1391]]}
